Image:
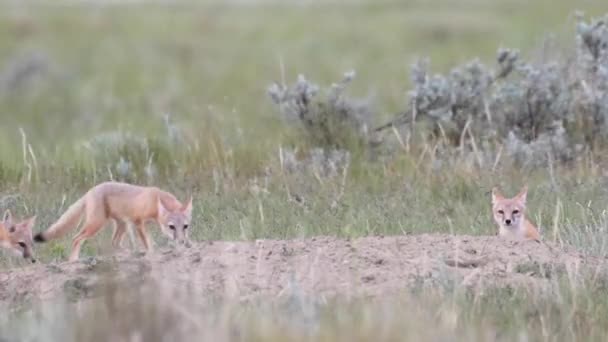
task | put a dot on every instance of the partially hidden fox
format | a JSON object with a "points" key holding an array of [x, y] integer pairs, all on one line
{"points": [[17, 236], [509, 216], [123, 203]]}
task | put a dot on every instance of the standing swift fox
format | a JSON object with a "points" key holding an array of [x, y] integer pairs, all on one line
{"points": [[509, 215], [122, 203], [17, 236]]}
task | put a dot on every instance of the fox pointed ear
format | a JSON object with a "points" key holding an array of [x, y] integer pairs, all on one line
{"points": [[26, 225], [162, 210], [31, 221], [7, 217], [523, 193], [496, 195], [187, 208]]}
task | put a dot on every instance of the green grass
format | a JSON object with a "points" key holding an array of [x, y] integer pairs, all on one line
{"points": [[119, 69]]}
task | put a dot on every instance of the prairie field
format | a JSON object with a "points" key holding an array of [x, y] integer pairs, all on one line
{"points": [[340, 155]]}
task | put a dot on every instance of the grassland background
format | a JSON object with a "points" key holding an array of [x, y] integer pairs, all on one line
{"points": [[121, 68]]}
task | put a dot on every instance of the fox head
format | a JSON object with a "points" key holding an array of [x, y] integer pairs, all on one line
{"points": [[175, 224], [18, 236], [509, 212]]}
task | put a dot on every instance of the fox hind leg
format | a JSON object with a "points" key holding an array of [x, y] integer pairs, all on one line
{"points": [[93, 223], [120, 227], [141, 233]]}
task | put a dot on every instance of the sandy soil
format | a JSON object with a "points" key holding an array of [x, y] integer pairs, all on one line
{"points": [[322, 266]]}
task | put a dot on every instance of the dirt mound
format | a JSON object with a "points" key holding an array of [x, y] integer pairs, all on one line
{"points": [[321, 266]]}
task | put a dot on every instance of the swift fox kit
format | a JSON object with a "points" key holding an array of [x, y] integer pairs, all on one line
{"points": [[17, 236], [122, 203], [509, 215]]}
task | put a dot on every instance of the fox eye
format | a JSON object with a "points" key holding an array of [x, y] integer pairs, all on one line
{"points": [[172, 227], [22, 244], [501, 212], [515, 212], [185, 226]]}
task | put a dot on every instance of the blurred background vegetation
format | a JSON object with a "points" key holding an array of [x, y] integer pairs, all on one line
{"points": [[177, 95], [71, 72]]}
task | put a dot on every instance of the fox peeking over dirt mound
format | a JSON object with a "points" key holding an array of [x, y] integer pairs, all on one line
{"points": [[509, 215], [122, 203]]}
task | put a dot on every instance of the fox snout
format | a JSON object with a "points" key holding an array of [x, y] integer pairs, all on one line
{"points": [[509, 221], [29, 257], [506, 218], [183, 242], [27, 254]]}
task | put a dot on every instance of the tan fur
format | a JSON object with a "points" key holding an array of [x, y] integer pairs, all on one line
{"points": [[17, 236], [509, 215], [122, 203]]}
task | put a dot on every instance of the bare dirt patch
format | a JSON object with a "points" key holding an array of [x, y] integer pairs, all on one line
{"points": [[321, 266]]}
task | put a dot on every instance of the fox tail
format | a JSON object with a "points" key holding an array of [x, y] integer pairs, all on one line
{"points": [[68, 220]]}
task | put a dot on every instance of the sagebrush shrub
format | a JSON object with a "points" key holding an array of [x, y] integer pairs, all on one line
{"points": [[23, 70], [333, 122], [552, 108]]}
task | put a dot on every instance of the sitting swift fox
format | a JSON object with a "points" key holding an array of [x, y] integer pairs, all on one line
{"points": [[17, 236], [122, 203], [509, 216]]}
